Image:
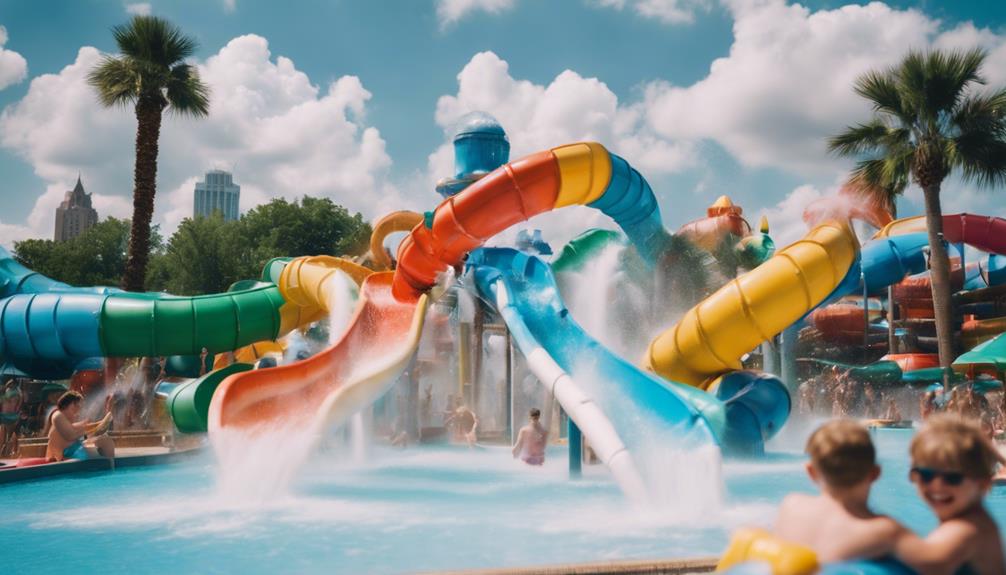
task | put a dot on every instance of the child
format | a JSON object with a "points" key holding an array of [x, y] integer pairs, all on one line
{"points": [[952, 467], [837, 524]]}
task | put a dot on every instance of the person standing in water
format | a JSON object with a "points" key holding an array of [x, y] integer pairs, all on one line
{"points": [[463, 423], [531, 440]]}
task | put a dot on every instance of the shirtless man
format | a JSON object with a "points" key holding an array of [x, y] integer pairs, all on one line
{"points": [[531, 440], [68, 438]]}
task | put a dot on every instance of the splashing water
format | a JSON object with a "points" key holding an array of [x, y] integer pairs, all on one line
{"points": [[342, 300], [255, 469]]}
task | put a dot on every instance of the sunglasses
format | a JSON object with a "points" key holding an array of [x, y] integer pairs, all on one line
{"points": [[926, 476]]}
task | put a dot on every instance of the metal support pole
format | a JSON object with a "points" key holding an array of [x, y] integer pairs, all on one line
{"points": [[787, 356], [509, 388], [866, 316], [892, 337], [575, 439]]}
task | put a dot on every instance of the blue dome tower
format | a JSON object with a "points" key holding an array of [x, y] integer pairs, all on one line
{"points": [[480, 146]]}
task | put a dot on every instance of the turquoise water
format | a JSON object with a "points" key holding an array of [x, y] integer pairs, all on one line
{"points": [[401, 512]]}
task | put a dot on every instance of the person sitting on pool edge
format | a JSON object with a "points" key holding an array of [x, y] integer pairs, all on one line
{"points": [[68, 438], [952, 468], [531, 440], [838, 524]]}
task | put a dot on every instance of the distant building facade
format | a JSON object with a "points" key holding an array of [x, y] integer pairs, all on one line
{"points": [[74, 214], [218, 193]]}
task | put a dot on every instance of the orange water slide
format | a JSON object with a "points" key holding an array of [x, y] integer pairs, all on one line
{"points": [[329, 386], [384, 332]]}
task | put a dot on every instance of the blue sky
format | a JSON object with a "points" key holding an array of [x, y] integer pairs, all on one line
{"points": [[354, 100]]}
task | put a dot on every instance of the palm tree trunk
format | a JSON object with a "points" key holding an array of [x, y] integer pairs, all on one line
{"points": [[892, 340], [940, 273], [148, 129]]}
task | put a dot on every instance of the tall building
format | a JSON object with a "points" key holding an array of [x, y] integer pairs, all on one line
{"points": [[218, 193], [74, 214]]}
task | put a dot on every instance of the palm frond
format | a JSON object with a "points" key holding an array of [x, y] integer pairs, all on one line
{"points": [[115, 80], [885, 177], [881, 88], [154, 40], [934, 82], [858, 139], [979, 148], [187, 94]]}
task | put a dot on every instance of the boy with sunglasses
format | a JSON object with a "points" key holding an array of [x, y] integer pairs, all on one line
{"points": [[838, 524], [952, 466]]}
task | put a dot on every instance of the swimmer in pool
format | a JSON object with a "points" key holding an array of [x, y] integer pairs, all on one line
{"points": [[838, 524], [952, 467], [68, 438], [531, 440]]}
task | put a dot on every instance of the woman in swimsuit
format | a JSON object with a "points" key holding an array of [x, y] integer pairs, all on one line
{"points": [[531, 440]]}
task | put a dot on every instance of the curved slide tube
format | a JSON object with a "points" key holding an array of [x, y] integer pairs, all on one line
{"points": [[304, 285], [746, 411], [328, 387], [711, 337], [575, 368], [986, 233], [401, 221], [583, 173]]}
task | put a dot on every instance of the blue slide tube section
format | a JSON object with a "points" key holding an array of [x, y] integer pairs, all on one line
{"points": [[17, 279], [629, 201], [537, 318]]}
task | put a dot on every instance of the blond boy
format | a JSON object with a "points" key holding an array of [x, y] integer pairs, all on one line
{"points": [[838, 524], [952, 467]]}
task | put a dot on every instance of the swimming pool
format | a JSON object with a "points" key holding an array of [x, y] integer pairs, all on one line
{"points": [[402, 511]]}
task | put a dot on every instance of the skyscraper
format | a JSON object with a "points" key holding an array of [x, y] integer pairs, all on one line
{"points": [[74, 214], [218, 193]]}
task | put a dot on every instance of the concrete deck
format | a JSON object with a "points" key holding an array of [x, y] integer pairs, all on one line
{"points": [[125, 457]]}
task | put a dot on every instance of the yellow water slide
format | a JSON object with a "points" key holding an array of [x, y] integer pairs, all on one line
{"points": [[710, 339]]}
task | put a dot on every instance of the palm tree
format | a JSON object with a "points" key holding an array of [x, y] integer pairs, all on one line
{"points": [[151, 74], [930, 120]]}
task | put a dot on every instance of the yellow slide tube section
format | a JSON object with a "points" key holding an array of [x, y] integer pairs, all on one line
{"points": [[710, 339], [304, 284], [401, 221], [903, 226]]}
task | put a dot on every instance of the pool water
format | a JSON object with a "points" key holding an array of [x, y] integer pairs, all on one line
{"points": [[421, 509]]}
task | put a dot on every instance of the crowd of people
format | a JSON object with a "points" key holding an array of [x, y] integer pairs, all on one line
{"points": [[834, 393]]}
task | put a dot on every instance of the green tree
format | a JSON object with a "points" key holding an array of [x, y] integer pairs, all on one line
{"points": [[151, 74], [309, 226], [97, 257], [204, 255], [929, 121]]}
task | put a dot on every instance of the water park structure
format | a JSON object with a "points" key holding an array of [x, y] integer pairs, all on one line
{"points": [[724, 373]]}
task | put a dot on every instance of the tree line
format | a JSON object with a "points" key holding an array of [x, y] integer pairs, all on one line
{"points": [[204, 255]]}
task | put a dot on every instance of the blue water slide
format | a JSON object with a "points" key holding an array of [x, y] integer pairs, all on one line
{"points": [[629, 201], [606, 395]]}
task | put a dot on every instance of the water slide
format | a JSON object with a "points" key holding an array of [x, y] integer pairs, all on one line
{"points": [[384, 331], [710, 339], [583, 375], [47, 327]]}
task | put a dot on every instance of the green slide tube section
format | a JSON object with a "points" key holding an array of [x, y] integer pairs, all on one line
{"points": [[141, 326], [189, 403]]}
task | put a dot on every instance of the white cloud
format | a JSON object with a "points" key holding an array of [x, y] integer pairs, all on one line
{"points": [[787, 82], [570, 108], [666, 11], [13, 66], [785, 219], [280, 134], [450, 11], [139, 9]]}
